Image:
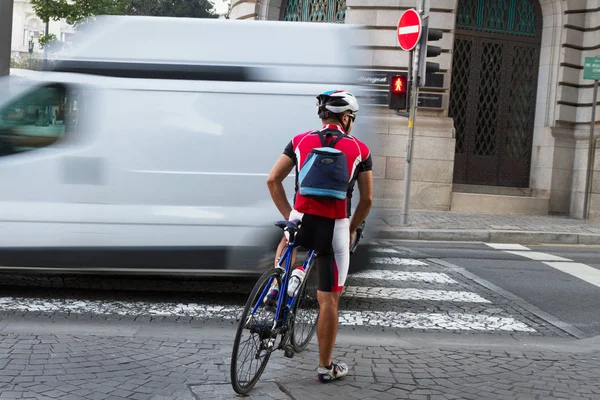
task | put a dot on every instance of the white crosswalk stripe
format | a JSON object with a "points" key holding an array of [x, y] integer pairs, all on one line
{"points": [[384, 293], [433, 289], [385, 250], [454, 321], [423, 320], [428, 277], [397, 261]]}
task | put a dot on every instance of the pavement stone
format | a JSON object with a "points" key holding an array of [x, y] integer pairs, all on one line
{"points": [[376, 371], [493, 228]]}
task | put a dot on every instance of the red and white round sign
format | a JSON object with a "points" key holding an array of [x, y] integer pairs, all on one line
{"points": [[409, 29]]}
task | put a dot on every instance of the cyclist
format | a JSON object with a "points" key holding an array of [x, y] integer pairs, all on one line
{"points": [[326, 226]]}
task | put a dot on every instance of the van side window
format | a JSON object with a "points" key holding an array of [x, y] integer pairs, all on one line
{"points": [[35, 120]]}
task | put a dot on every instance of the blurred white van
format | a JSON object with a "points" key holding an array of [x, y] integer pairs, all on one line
{"points": [[146, 149]]}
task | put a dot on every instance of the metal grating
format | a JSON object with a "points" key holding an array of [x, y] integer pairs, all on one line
{"points": [[459, 89], [315, 10], [318, 10], [486, 137], [292, 10], [521, 103], [512, 17], [493, 90]]}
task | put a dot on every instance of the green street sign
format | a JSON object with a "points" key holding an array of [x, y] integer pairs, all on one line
{"points": [[591, 68]]}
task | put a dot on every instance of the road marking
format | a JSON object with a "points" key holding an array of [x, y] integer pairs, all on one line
{"points": [[138, 308], [389, 275], [537, 256], [507, 246], [578, 270], [384, 250], [446, 321], [382, 293], [451, 321], [396, 261]]}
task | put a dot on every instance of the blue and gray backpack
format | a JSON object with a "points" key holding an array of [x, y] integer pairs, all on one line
{"points": [[324, 174]]}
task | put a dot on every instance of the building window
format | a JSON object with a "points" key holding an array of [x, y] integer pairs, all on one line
{"points": [[34, 26], [314, 10], [35, 120]]}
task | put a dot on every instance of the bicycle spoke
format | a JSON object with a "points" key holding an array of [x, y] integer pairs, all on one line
{"points": [[251, 354], [306, 312]]}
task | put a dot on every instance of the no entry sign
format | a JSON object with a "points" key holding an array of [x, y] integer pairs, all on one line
{"points": [[409, 29]]}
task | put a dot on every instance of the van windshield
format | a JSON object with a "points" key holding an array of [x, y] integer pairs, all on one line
{"points": [[33, 116]]}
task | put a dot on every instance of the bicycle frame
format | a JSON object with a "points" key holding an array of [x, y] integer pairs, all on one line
{"points": [[287, 258]]}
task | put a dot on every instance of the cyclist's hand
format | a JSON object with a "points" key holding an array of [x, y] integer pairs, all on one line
{"points": [[352, 234]]}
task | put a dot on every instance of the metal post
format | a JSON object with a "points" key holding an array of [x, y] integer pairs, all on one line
{"points": [[411, 123], [591, 156], [6, 16], [46, 47]]}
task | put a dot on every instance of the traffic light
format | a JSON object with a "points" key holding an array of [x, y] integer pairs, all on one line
{"points": [[426, 51], [398, 92]]}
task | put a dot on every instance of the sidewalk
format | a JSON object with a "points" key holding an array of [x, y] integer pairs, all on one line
{"points": [[491, 228], [153, 361]]}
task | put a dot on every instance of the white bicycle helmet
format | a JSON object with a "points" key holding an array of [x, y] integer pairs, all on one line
{"points": [[337, 102]]}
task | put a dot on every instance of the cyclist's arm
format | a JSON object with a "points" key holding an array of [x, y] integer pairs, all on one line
{"points": [[365, 187], [280, 171]]}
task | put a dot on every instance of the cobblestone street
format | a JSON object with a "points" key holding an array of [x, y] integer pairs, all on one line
{"points": [[153, 364], [411, 327]]}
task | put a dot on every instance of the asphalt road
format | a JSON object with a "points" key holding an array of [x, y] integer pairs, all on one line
{"points": [[563, 281]]}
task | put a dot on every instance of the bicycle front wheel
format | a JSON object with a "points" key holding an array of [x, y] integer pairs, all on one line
{"points": [[306, 311], [255, 350]]}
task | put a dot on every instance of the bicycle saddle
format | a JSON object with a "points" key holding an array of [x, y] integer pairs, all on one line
{"points": [[291, 226]]}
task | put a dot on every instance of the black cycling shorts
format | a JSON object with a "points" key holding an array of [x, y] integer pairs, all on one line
{"points": [[330, 238]]}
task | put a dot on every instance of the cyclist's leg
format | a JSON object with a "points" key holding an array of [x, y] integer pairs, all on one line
{"points": [[332, 266]]}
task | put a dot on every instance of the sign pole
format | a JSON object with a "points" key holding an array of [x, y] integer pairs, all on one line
{"points": [[414, 98], [411, 133], [591, 156]]}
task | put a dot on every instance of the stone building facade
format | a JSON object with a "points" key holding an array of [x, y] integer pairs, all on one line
{"points": [[26, 25], [511, 131]]}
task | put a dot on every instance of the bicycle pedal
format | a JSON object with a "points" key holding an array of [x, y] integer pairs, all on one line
{"points": [[288, 351]]}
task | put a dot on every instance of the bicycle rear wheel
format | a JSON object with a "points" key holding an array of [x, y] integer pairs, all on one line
{"points": [[306, 311], [257, 349]]}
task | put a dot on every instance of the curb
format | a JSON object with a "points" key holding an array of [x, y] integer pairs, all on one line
{"points": [[489, 236]]}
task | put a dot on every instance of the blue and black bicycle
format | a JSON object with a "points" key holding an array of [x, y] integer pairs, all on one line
{"points": [[292, 320]]}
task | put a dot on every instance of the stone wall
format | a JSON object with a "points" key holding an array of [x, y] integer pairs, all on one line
{"points": [[254, 9], [581, 40], [433, 161]]}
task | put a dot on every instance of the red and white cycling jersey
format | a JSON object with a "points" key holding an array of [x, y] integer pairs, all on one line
{"points": [[359, 160]]}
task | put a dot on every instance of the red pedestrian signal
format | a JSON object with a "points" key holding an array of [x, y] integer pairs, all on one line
{"points": [[397, 93], [399, 84]]}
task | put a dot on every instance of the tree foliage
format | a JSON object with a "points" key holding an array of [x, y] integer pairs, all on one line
{"points": [[172, 8], [76, 10]]}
